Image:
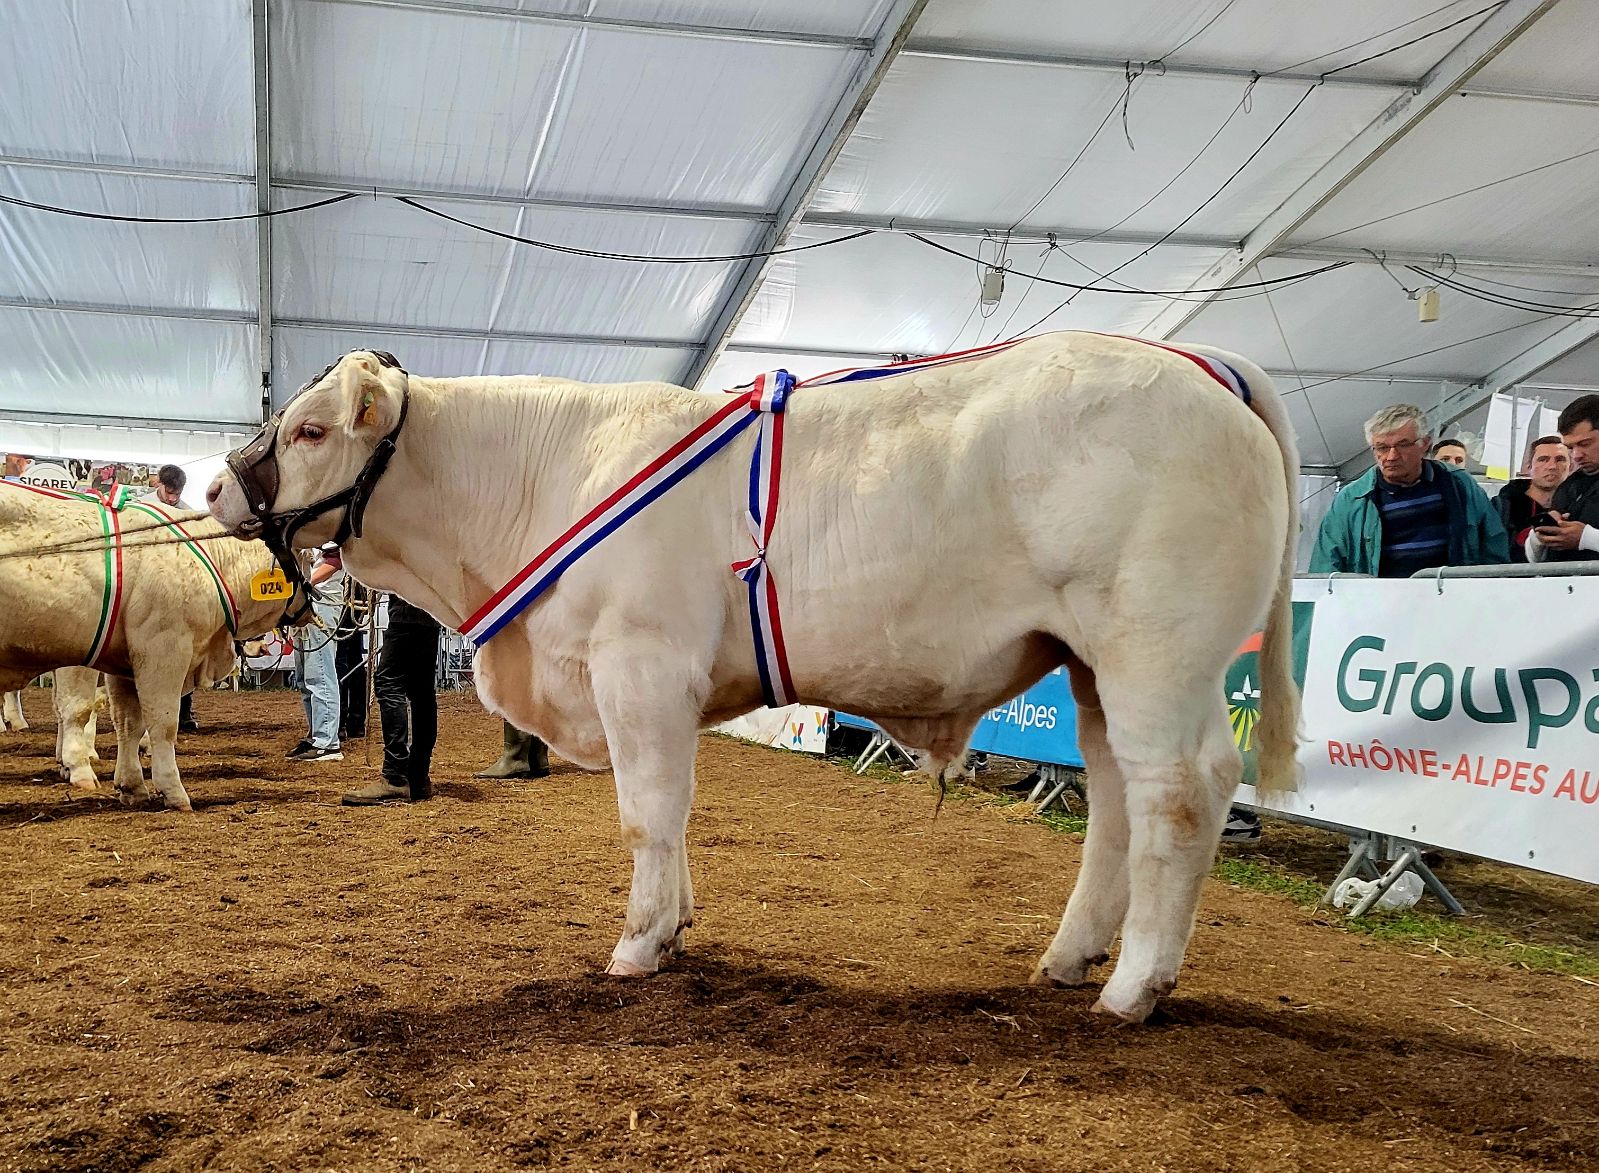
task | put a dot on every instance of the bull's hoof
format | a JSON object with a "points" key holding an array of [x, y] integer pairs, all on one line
{"points": [[627, 969], [88, 785], [185, 806], [1130, 1017], [1136, 1010], [1066, 976]]}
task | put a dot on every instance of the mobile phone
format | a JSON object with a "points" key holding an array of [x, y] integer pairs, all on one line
{"points": [[1542, 518]]}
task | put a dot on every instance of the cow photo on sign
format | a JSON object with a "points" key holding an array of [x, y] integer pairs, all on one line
{"points": [[951, 530]]}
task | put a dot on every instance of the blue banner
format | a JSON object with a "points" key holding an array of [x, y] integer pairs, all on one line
{"points": [[1038, 726]]}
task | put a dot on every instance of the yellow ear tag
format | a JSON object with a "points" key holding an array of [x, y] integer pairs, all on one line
{"points": [[269, 585]]}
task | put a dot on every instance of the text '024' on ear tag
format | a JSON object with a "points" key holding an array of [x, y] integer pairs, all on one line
{"points": [[269, 584]]}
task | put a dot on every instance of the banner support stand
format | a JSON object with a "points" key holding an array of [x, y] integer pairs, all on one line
{"points": [[1364, 851]]}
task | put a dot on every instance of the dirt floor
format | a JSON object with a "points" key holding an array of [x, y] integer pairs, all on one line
{"points": [[276, 982]]}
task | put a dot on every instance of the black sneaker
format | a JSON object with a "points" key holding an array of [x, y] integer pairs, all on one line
{"points": [[1024, 786], [305, 744], [318, 754], [1241, 827]]}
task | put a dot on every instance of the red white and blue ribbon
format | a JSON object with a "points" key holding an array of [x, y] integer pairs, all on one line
{"points": [[768, 395], [646, 486], [765, 399]]}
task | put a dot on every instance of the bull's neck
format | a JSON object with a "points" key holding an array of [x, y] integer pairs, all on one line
{"points": [[488, 471], [239, 562]]}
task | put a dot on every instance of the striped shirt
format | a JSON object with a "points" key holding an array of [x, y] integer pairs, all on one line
{"points": [[1415, 525]]}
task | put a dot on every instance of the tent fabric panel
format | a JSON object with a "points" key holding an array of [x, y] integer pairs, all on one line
{"points": [[1357, 317], [45, 256], [107, 81], [1555, 55], [120, 366], [1263, 35], [382, 261], [551, 110], [688, 120], [419, 117], [1468, 142], [930, 146], [839, 18]]}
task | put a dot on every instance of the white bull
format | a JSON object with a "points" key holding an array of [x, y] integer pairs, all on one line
{"points": [[945, 538], [171, 633]]}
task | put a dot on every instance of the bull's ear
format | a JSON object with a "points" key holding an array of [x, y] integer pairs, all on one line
{"points": [[369, 402]]}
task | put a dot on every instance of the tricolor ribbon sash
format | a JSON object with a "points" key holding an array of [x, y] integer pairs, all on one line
{"points": [[768, 395], [230, 608], [110, 521], [765, 398]]}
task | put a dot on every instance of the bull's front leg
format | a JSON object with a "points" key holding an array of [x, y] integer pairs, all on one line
{"points": [[650, 711]]}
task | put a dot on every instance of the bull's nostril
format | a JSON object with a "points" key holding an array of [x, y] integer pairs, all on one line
{"points": [[213, 493]]}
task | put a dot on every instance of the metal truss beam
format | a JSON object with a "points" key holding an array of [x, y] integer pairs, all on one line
{"points": [[261, 54], [143, 423]]}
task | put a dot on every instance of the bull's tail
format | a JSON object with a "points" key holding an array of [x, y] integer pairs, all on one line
{"points": [[1277, 733]]}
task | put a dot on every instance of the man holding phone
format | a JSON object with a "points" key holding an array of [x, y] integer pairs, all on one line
{"points": [[1569, 534], [1525, 501]]}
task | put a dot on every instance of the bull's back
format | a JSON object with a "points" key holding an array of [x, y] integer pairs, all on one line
{"points": [[947, 512]]}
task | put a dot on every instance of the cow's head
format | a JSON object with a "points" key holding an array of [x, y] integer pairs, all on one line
{"points": [[304, 480]]}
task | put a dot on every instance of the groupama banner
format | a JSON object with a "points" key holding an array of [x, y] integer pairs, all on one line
{"points": [[1458, 713]]}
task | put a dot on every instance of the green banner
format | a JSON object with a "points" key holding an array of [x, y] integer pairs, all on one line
{"points": [[1243, 685]]}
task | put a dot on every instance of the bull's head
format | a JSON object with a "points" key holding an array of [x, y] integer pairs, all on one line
{"points": [[305, 479]]}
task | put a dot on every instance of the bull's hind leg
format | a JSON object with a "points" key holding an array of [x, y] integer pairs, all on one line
{"points": [[650, 711], [1099, 898], [1176, 751], [74, 704], [14, 717]]}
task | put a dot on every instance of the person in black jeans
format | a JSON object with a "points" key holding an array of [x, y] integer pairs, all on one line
{"points": [[350, 662], [405, 686]]}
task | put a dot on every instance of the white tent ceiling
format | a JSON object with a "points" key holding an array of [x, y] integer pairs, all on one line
{"points": [[1170, 144]]}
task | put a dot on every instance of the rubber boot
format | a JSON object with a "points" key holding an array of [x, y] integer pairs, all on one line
{"points": [[524, 756]]}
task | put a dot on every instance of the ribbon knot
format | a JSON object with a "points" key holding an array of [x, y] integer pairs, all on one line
{"points": [[749, 569]]}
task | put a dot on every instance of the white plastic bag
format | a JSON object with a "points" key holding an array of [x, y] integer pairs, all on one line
{"points": [[1404, 893]]}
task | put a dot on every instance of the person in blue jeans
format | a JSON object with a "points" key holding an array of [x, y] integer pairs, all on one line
{"points": [[316, 664]]}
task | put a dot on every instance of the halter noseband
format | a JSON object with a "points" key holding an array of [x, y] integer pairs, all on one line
{"points": [[255, 468]]}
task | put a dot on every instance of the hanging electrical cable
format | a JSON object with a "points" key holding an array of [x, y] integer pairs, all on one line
{"points": [[82, 215]]}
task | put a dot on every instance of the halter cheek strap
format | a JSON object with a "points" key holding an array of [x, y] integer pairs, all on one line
{"points": [[255, 468]]}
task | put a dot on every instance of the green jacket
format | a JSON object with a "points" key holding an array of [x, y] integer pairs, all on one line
{"points": [[1350, 540]]}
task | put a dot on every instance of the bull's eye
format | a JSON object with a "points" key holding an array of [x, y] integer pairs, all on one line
{"points": [[310, 432]]}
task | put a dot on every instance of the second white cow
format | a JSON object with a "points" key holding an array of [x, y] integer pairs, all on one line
{"points": [[156, 614]]}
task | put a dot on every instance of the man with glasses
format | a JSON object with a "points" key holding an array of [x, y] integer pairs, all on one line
{"points": [[1408, 513], [1575, 504]]}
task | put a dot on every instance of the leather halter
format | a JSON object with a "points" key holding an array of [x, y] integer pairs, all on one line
{"points": [[255, 468]]}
